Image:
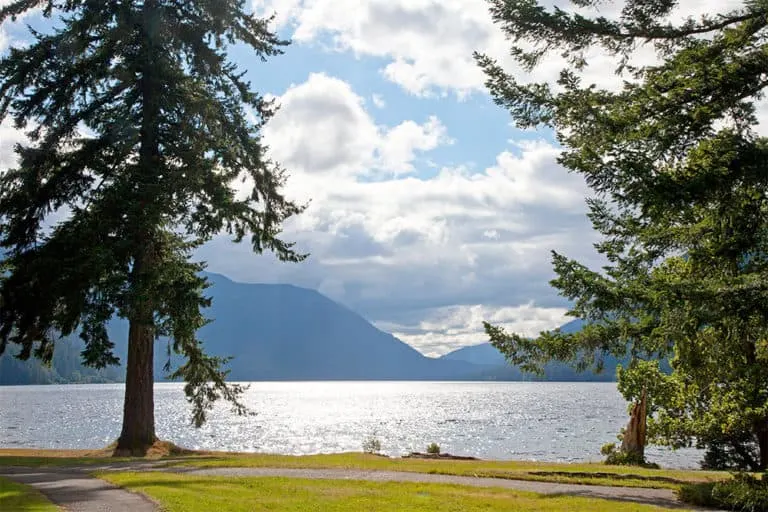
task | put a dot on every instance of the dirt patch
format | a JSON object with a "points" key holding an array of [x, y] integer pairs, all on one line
{"points": [[159, 450], [438, 456]]}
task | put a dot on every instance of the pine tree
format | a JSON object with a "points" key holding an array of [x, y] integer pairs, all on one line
{"points": [[139, 127], [680, 181]]}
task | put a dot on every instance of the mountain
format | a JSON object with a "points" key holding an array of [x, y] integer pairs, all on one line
{"points": [[484, 353], [275, 332], [66, 367], [496, 367], [487, 354], [282, 332]]}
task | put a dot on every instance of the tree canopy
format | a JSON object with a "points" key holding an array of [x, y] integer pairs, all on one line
{"points": [[139, 128], [679, 172]]}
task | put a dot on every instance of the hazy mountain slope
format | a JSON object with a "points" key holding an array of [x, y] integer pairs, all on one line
{"points": [[497, 368], [275, 332], [282, 332], [485, 353], [65, 368]]}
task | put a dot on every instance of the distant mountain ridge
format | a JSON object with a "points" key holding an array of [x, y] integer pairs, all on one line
{"points": [[283, 332], [497, 368], [487, 354]]}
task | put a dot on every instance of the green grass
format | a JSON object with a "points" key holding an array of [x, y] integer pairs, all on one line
{"points": [[595, 474], [190, 493], [22, 498]]}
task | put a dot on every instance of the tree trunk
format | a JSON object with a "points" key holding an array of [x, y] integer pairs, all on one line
{"points": [[633, 441], [138, 432]]}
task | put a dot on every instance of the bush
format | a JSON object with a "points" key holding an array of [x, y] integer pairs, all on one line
{"points": [[608, 448], [744, 493], [372, 445], [614, 457], [699, 495], [433, 449], [736, 451]]}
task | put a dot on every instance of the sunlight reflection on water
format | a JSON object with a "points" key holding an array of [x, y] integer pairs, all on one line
{"points": [[499, 420]]}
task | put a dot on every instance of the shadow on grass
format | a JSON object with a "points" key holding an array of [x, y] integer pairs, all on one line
{"points": [[606, 475], [17, 501], [20, 498], [657, 501]]}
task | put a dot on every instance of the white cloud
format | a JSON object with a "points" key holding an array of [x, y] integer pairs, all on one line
{"points": [[324, 128], [399, 147], [9, 137], [445, 329], [429, 43], [398, 247], [5, 41], [378, 101]]}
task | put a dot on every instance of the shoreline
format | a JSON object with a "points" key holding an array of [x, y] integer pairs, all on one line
{"points": [[341, 381], [104, 452]]}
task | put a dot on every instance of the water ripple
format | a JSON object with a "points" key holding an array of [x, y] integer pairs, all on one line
{"points": [[500, 420]]}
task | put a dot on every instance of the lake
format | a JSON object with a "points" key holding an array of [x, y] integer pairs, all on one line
{"points": [[497, 420]]}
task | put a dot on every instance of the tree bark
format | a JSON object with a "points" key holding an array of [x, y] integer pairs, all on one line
{"points": [[635, 433], [138, 433]]}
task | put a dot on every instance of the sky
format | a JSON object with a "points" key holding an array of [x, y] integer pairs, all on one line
{"points": [[429, 212]]}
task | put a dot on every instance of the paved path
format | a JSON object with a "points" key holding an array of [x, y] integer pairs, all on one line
{"points": [[74, 490]]}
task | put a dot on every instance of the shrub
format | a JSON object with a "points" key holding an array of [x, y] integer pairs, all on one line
{"points": [[372, 445], [736, 451], [699, 495], [614, 457], [433, 449], [744, 493]]}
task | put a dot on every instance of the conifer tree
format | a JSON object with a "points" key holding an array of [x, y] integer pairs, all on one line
{"points": [[139, 128], [680, 180]]}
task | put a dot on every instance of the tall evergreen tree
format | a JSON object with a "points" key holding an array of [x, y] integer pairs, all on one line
{"points": [[680, 177], [139, 126]]}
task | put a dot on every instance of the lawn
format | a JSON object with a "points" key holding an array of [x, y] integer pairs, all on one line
{"points": [[597, 474], [190, 493], [22, 498]]}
